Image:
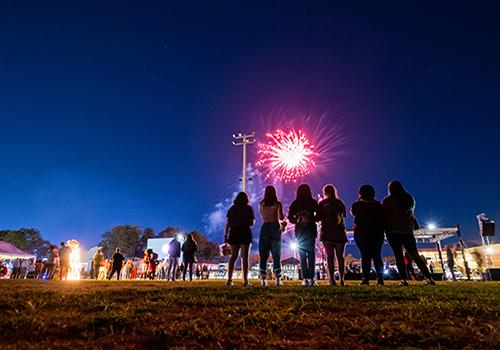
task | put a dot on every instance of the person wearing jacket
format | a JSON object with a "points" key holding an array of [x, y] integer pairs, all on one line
{"points": [[333, 236], [369, 232], [174, 252], [399, 223], [189, 249], [303, 213], [238, 234]]}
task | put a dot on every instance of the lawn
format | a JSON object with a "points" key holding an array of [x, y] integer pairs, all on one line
{"points": [[138, 314]]}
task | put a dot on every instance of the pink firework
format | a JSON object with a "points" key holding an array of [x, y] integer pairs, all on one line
{"points": [[287, 155]]}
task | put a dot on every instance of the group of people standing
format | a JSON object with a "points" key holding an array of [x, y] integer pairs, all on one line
{"points": [[393, 217], [150, 267]]}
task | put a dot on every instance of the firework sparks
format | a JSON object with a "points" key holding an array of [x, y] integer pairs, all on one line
{"points": [[287, 155]]}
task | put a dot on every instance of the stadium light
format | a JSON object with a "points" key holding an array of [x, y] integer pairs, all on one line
{"points": [[431, 226]]}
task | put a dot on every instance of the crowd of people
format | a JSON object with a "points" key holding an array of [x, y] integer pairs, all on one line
{"points": [[392, 218], [150, 267]]}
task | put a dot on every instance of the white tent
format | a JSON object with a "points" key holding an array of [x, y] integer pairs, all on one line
{"points": [[8, 251]]}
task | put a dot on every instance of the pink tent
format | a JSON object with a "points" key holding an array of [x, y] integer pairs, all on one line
{"points": [[8, 251]]}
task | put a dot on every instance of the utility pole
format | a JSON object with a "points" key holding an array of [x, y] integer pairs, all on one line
{"points": [[243, 139]]}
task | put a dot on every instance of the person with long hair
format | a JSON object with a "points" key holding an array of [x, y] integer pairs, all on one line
{"points": [[189, 249], [238, 234], [271, 211], [369, 232], [303, 212], [400, 223], [333, 236]]}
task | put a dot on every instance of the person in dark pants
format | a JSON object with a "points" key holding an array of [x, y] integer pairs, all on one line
{"points": [[369, 232], [117, 264], [64, 258], [333, 236], [189, 249], [174, 252], [399, 223], [303, 212], [271, 211], [238, 234], [450, 259]]}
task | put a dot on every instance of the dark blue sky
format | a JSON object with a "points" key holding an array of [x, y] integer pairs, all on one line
{"points": [[114, 113]]}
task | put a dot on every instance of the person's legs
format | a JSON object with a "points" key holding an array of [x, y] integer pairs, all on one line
{"points": [[340, 251], [175, 265], [330, 260], [245, 249], [311, 257], [235, 250], [191, 270], [303, 262], [397, 248], [410, 245], [366, 257], [264, 249], [184, 271], [276, 252], [376, 253]]}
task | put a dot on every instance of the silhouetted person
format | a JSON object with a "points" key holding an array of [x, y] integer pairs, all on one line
{"points": [[238, 234], [174, 252], [97, 262], [303, 212], [117, 264], [271, 211], [333, 236], [450, 259], [399, 223], [369, 232], [189, 249], [64, 258], [49, 267]]}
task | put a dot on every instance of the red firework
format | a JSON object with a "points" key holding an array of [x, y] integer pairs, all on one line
{"points": [[287, 155]]}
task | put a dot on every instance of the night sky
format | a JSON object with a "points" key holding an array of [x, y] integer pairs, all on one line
{"points": [[114, 113]]}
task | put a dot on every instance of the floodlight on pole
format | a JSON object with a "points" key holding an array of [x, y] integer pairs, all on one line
{"points": [[243, 139]]}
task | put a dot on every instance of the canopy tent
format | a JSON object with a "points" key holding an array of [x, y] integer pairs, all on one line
{"points": [[425, 235], [8, 251]]}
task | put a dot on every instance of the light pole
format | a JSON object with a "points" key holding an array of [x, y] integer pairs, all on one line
{"points": [[243, 139]]}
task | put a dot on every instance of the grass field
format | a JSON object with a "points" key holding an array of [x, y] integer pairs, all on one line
{"points": [[138, 314]]}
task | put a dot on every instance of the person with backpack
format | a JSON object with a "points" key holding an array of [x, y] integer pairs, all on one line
{"points": [[369, 232], [189, 249], [271, 211], [333, 236], [400, 223], [238, 234], [303, 213]]}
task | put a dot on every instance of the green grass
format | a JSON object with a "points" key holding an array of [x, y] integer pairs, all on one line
{"points": [[138, 314]]}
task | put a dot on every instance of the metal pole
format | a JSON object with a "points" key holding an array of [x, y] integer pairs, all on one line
{"points": [[438, 243], [246, 139], [244, 178]]}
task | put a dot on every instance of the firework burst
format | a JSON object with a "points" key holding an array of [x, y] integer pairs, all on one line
{"points": [[287, 155]]}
